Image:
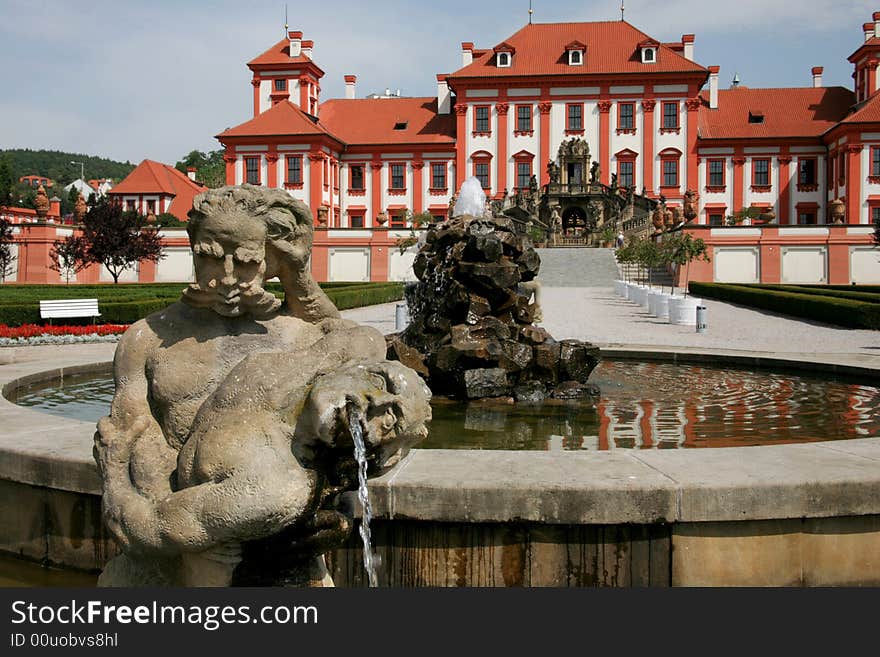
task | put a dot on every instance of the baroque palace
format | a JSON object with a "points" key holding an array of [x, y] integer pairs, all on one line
{"points": [[642, 116]]}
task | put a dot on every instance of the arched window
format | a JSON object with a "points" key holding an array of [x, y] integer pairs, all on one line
{"points": [[670, 165], [626, 167], [524, 171], [482, 168]]}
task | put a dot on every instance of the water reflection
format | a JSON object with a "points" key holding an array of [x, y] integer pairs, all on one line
{"points": [[643, 405]]}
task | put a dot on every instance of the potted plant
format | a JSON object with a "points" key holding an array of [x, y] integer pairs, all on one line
{"points": [[607, 237]]}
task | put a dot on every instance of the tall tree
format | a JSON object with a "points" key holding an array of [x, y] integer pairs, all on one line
{"points": [[118, 239], [210, 167], [7, 182]]}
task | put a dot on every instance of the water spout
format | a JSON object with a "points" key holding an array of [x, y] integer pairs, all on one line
{"points": [[360, 455]]}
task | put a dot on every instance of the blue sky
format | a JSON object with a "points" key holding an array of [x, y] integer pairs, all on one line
{"points": [[157, 78]]}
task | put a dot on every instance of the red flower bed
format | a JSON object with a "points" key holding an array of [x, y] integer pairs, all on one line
{"points": [[33, 330]]}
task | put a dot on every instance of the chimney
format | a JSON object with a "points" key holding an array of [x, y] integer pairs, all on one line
{"points": [[687, 40], [295, 39], [191, 173], [817, 76], [54, 207], [307, 47], [350, 82], [444, 96], [869, 31], [467, 53], [713, 86]]}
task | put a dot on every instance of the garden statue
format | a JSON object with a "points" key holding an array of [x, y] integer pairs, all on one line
{"points": [[594, 173], [553, 172], [229, 439], [691, 199], [41, 203]]}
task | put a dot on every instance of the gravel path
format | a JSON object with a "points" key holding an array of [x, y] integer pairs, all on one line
{"points": [[598, 315]]}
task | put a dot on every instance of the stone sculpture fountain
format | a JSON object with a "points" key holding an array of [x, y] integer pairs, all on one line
{"points": [[230, 438], [472, 331]]}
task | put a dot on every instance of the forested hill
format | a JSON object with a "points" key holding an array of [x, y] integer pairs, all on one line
{"points": [[57, 165]]}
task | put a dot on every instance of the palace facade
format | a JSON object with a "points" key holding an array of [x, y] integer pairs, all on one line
{"points": [[653, 118]]}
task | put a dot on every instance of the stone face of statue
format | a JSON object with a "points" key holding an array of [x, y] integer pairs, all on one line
{"points": [[229, 256]]}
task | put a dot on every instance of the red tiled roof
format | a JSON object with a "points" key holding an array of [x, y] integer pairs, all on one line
{"points": [[612, 47], [372, 121], [150, 177], [867, 112], [282, 119], [280, 54], [801, 112]]}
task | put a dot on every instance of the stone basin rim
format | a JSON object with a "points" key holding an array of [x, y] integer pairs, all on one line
{"points": [[810, 480]]}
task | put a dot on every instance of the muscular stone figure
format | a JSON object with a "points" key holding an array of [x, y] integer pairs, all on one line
{"points": [[219, 435]]}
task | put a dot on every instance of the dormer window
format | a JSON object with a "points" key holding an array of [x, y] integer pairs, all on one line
{"points": [[756, 116], [400, 125], [649, 55], [575, 51], [503, 55]]}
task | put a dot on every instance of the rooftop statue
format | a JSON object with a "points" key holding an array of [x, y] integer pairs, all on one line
{"points": [[229, 438]]}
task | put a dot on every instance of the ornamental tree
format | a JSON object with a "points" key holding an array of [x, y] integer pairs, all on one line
{"points": [[681, 248], [68, 256], [117, 239]]}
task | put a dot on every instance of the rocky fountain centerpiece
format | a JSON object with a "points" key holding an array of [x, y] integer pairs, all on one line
{"points": [[472, 332]]}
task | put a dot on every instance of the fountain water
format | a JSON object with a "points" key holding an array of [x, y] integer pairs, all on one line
{"points": [[360, 455]]}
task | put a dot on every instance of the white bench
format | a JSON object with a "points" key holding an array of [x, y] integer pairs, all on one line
{"points": [[61, 308]]}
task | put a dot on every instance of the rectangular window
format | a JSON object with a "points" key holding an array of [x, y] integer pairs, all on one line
{"points": [[524, 118], [716, 219], [670, 115], [481, 171], [670, 173], [356, 219], [829, 171], [716, 173], [761, 173], [807, 171], [280, 85], [438, 175], [397, 178], [129, 206], [294, 169], [523, 174], [481, 119], [875, 161], [398, 219], [626, 118], [151, 207], [575, 117], [356, 173], [875, 214], [252, 166], [625, 173], [841, 168], [806, 217]]}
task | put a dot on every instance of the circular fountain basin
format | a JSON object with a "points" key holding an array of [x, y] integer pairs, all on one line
{"points": [[643, 405], [805, 514]]}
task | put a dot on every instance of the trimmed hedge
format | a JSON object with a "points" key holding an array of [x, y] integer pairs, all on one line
{"points": [[869, 297], [823, 308], [135, 301], [851, 288]]}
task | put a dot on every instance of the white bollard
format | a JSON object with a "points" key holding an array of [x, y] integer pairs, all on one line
{"points": [[701, 319], [400, 317]]}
